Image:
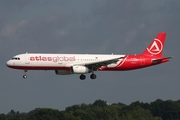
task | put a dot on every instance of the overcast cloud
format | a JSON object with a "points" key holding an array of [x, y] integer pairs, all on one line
{"points": [[87, 26]]}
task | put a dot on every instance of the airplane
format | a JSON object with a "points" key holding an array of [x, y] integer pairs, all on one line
{"points": [[66, 64]]}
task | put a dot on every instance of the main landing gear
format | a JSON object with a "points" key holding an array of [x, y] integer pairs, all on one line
{"points": [[83, 77], [25, 76], [93, 76]]}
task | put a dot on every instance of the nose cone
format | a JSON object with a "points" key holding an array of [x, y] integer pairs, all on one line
{"points": [[9, 63]]}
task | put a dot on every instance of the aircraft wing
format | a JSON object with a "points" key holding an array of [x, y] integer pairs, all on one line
{"points": [[98, 64]]}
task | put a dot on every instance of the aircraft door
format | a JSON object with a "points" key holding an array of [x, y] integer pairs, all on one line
{"points": [[27, 61]]}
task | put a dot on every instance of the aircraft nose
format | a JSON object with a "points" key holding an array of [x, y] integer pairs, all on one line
{"points": [[8, 63]]}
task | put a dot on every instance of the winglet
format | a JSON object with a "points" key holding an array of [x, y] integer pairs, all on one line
{"points": [[155, 48]]}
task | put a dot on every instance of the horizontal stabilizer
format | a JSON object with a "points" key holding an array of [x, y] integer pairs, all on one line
{"points": [[161, 60]]}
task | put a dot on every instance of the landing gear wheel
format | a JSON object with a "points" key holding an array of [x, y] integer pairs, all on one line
{"points": [[82, 77], [93, 76], [24, 76]]}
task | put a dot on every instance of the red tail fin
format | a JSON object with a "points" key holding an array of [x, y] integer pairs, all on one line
{"points": [[156, 46]]}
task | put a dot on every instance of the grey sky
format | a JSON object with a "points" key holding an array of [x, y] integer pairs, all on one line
{"points": [[87, 26]]}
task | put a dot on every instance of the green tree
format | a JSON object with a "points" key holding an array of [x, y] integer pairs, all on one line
{"points": [[168, 110], [138, 113], [3, 117], [100, 110], [100, 103]]}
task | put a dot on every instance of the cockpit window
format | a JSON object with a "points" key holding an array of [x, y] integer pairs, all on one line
{"points": [[15, 58]]}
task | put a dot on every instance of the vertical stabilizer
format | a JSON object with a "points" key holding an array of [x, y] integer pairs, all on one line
{"points": [[156, 46]]}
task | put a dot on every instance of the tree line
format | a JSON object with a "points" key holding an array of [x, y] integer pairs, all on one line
{"points": [[101, 110]]}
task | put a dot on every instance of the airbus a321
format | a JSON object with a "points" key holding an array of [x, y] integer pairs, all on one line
{"points": [[66, 64]]}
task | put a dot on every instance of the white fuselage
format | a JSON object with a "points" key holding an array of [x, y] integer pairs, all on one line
{"points": [[57, 61]]}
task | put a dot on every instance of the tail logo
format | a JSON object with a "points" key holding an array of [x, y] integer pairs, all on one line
{"points": [[156, 47]]}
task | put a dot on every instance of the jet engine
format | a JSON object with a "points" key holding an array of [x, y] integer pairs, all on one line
{"points": [[80, 69]]}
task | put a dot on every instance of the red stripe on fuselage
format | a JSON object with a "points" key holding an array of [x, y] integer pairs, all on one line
{"points": [[41, 67]]}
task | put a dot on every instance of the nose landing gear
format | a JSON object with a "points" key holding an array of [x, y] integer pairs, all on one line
{"points": [[25, 76]]}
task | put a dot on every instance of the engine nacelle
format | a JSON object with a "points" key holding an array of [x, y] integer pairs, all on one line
{"points": [[80, 69], [63, 72]]}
